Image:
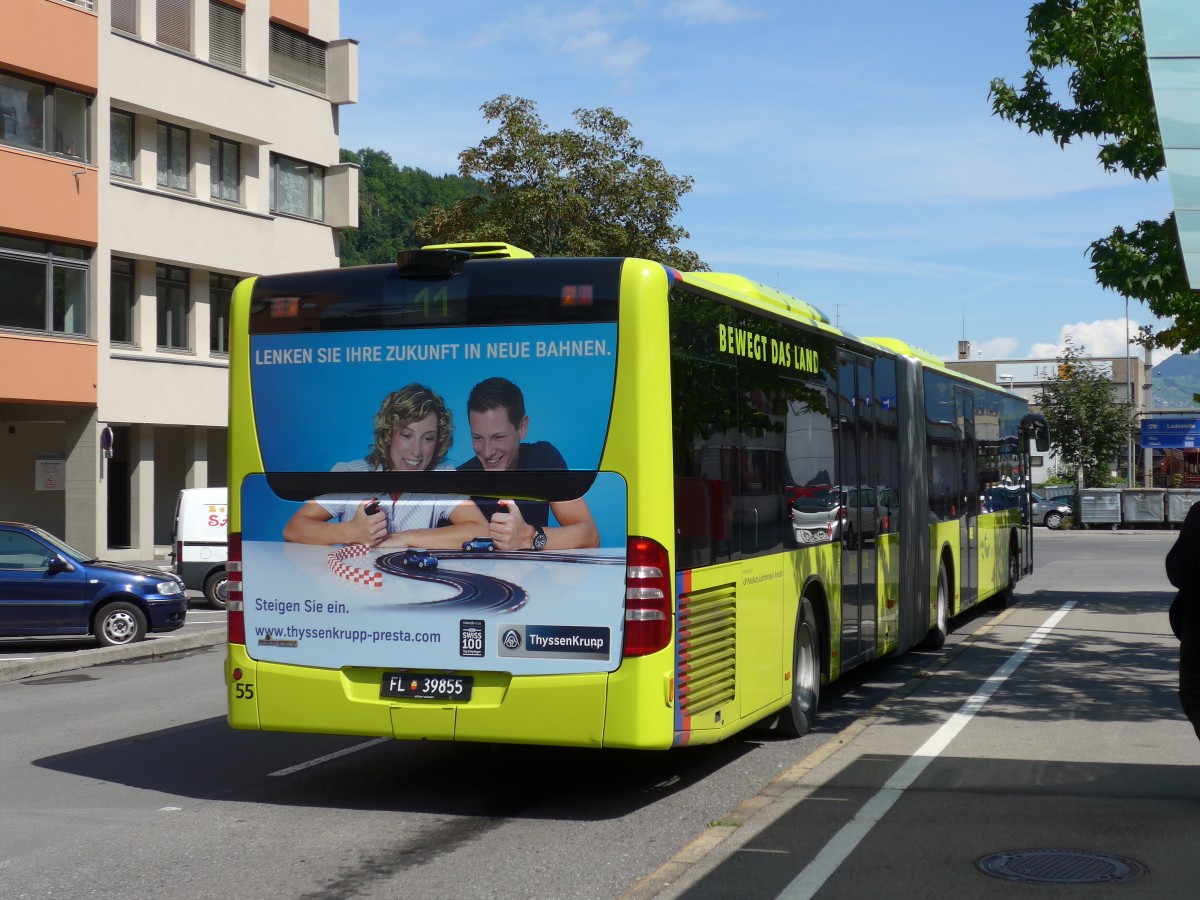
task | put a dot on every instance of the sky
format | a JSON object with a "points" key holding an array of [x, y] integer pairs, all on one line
{"points": [[843, 152]]}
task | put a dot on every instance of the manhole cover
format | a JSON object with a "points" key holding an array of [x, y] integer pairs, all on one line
{"points": [[1059, 867]]}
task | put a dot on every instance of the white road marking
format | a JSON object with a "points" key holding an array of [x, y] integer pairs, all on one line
{"points": [[324, 759], [841, 845]]}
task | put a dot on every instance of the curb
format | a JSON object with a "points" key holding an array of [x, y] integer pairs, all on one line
{"points": [[152, 648]]}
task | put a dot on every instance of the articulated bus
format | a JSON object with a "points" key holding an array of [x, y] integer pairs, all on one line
{"points": [[482, 496]]}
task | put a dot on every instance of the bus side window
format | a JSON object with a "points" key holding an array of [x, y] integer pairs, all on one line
{"points": [[693, 523]]}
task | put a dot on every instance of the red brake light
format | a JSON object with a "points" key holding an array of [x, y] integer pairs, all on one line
{"points": [[235, 618], [648, 597]]}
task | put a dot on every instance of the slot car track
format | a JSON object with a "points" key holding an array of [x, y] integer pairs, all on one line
{"points": [[475, 591]]}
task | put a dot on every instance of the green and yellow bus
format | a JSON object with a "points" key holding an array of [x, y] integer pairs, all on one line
{"points": [[481, 496]]}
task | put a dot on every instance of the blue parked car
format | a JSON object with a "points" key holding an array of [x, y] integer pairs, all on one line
{"points": [[49, 588]]}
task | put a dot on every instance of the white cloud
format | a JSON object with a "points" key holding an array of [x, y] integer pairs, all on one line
{"points": [[1103, 337], [734, 259], [703, 12], [598, 48], [996, 348], [1044, 351]]}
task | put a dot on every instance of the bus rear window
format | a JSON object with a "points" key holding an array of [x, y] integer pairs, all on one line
{"points": [[485, 292]]}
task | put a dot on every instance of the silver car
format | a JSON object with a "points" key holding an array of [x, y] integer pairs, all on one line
{"points": [[1050, 512]]}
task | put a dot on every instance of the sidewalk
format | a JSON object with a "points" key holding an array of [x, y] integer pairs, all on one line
{"points": [[154, 646], [1069, 765]]}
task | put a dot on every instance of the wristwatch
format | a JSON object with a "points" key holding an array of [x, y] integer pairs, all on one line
{"points": [[539, 538]]}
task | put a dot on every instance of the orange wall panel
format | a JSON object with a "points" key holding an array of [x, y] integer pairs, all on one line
{"points": [[292, 13], [44, 370], [43, 198], [52, 41]]}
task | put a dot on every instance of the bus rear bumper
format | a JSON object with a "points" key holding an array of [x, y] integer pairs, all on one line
{"points": [[563, 710]]}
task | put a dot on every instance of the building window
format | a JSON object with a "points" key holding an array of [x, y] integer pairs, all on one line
{"points": [[173, 20], [70, 123], [220, 292], [297, 188], [120, 144], [122, 302], [224, 35], [42, 117], [297, 59], [171, 284], [224, 169], [45, 286], [124, 16], [173, 156]]}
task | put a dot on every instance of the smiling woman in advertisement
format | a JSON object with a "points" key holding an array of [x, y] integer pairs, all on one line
{"points": [[413, 432]]}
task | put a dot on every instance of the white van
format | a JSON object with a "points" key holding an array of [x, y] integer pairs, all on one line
{"points": [[201, 545]]}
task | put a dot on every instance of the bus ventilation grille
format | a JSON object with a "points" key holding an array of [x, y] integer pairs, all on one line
{"points": [[707, 649]]}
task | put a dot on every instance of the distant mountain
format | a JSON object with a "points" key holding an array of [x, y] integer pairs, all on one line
{"points": [[1176, 379]]}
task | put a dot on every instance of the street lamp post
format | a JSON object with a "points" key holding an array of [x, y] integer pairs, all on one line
{"points": [[1129, 463]]}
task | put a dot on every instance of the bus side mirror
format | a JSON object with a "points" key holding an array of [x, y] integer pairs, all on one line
{"points": [[1034, 426]]}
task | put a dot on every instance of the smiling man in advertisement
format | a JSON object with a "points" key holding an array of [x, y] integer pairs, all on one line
{"points": [[499, 426]]}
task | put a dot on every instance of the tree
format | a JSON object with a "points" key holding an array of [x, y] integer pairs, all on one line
{"points": [[390, 200], [589, 191], [1088, 429], [1100, 44]]}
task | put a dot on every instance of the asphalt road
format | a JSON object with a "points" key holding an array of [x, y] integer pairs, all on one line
{"points": [[122, 780]]}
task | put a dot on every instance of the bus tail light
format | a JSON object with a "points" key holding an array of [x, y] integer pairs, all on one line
{"points": [[648, 597], [233, 607]]}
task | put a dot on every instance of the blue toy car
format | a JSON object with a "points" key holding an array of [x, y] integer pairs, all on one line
{"points": [[479, 545], [419, 559]]}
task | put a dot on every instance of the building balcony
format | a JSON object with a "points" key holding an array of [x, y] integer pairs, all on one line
{"points": [[36, 369], [52, 41], [48, 197]]}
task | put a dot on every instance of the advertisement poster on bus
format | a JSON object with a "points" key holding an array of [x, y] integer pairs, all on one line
{"points": [[447, 579]]}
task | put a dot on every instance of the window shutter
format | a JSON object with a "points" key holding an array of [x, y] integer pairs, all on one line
{"points": [[297, 59], [175, 24], [124, 15], [225, 35]]}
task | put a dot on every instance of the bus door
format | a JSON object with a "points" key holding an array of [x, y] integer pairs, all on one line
{"points": [[858, 519], [968, 499]]}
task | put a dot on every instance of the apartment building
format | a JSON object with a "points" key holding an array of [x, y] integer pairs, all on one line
{"points": [[152, 153]]}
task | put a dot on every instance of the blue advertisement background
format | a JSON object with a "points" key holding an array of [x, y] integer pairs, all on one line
{"points": [[313, 415]]}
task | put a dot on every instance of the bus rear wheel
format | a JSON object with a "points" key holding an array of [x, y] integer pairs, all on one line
{"points": [[1004, 599], [797, 719], [937, 634]]}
